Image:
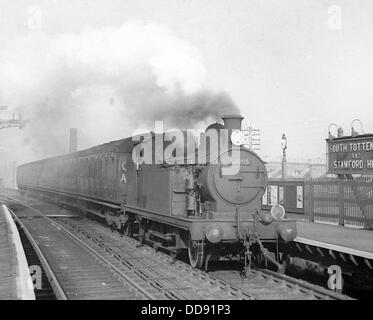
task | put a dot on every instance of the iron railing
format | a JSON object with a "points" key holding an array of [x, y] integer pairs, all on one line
{"points": [[342, 202]]}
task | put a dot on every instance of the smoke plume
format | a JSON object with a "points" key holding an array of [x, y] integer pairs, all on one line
{"points": [[107, 83]]}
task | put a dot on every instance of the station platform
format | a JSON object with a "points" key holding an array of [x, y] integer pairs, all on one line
{"points": [[15, 279], [352, 241]]}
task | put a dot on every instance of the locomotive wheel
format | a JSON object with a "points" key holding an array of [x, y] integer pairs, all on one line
{"points": [[196, 253], [258, 259], [128, 229], [141, 233]]}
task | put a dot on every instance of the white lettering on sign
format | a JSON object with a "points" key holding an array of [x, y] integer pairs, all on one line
{"points": [[351, 147], [338, 147], [335, 279], [370, 164], [361, 146], [348, 164], [351, 155]]}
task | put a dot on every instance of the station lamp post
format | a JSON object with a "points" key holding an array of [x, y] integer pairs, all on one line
{"points": [[284, 145]]}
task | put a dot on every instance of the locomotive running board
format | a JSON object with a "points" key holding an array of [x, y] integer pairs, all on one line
{"points": [[62, 216], [50, 216], [99, 201], [175, 221]]}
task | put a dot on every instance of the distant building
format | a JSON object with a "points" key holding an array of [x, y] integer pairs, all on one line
{"points": [[296, 170]]}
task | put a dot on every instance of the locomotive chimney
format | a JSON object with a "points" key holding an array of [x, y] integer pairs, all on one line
{"points": [[73, 146], [232, 122]]}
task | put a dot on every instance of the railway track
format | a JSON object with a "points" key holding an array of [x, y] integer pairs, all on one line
{"points": [[77, 272], [159, 275], [156, 278], [46, 288], [261, 284]]}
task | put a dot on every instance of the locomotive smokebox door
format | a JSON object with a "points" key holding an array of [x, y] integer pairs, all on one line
{"points": [[244, 185]]}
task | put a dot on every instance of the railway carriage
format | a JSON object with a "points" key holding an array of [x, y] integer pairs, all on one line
{"points": [[180, 207]]}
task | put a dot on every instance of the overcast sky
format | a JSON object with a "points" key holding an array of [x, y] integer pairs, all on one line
{"points": [[292, 66]]}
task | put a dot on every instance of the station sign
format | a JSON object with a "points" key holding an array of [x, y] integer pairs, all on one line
{"points": [[350, 155]]}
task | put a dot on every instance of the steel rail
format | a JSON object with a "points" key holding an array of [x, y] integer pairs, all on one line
{"points": [[55, 284], [234, 290], [87, 247], [303, 287], [316, 291]]}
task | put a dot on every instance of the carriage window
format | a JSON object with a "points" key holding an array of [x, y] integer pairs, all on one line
{"points": [[106, 167], [94, 167], [97, 173], [100, 167], [86, 167], [90, 170], [103, 162]]}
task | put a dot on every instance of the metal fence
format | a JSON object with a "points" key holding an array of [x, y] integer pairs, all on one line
{"points": [[342, 202]]}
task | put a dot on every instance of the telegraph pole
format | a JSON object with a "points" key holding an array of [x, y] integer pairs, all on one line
{"points": [[254, 138], [284, 145], [12, 123]]}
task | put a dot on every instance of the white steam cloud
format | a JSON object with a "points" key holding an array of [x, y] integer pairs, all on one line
{"points": [[106, 82]]}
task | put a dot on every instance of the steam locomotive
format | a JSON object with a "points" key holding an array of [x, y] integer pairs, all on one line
{"points": [[201, 198]]}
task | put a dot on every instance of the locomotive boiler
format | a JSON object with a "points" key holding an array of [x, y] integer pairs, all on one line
{"points": [[198, 197]]}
